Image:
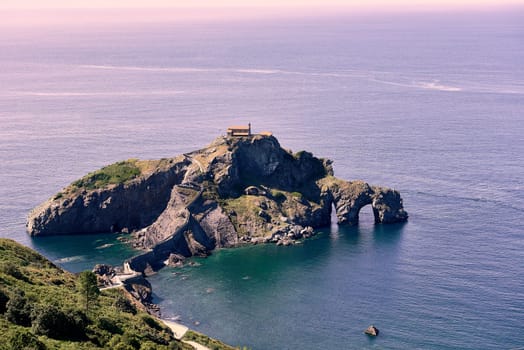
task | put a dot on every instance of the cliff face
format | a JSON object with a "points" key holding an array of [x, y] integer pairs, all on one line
{"points": [[124, 207], [236, 190]]}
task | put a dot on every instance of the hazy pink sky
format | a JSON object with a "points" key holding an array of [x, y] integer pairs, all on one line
{"points": [[365, 4], [37, 13]]}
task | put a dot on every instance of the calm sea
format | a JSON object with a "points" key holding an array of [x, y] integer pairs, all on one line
{"points": [[432, 105]]}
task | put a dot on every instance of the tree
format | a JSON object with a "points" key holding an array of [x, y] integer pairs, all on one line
{"points": [[88, 288]]}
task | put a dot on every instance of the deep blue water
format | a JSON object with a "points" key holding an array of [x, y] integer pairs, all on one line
{"points": [[431, 105]]}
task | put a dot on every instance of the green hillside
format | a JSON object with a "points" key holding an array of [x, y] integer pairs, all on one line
{"points": [[44, 307]]}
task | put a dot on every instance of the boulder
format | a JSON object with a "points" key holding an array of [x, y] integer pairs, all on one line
{"points": [[175, 260], [104, 270], [372, 331], [140, 289]]}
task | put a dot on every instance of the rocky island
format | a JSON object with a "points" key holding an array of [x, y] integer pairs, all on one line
{"points": [[241, 189]]}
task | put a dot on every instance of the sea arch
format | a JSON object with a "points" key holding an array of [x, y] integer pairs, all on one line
{"points": [[349, 197]]}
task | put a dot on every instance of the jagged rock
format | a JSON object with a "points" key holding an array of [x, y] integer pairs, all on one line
{"points": [[237, 187], [372, 331], [140, 289], [258, 240], [307, 232], [175, 260], [104, 270]]}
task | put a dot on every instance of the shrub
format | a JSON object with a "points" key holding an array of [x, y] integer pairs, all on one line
{"points": [[18, 310], [297, 195], [148, 345], [23, 339], [131, 340], [54, 323], [151, 322], [124, 305], [79, 323], [58, 195], [4, 298], [13, 270], [278, 196], [109, 325], [49, 321], [124, 342]]}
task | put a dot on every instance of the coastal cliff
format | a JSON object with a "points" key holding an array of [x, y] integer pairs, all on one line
{"points": [[236, 190]]}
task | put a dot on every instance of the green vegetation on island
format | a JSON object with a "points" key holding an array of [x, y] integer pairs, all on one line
{"points": [[113, 174]]}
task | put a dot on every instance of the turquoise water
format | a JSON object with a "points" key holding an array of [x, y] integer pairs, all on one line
{"points": [[422, 290], [81, 252], [431, 105]]}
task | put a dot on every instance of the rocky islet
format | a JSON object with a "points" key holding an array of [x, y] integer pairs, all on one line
{"points": [[238, 190]]}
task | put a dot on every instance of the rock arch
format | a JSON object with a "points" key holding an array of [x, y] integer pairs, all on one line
{"points": [[349, 197]]}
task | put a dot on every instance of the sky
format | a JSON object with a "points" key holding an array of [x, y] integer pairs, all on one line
{"points": [[355, 4], [34, 14]]}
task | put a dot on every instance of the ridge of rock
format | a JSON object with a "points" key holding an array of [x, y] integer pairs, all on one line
{"points": [[236, 190]]}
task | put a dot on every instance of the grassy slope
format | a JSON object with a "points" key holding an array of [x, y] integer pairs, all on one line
{"points": [[115, 174], [112, 322]]}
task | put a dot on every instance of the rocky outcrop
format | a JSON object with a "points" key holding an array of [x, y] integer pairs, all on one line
{"points": [[115, 208], [349, 197], [140, 290], [237, 190], [104, 274]]}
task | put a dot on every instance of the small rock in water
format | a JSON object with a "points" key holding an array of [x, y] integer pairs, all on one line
{"points": [[372, 331]]}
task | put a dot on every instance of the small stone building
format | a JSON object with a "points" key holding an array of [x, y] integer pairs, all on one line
{"points": [[239, 130]]}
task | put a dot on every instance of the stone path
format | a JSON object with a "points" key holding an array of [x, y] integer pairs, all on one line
{"points": [[196, 345], [179, 330], [119, 279]]}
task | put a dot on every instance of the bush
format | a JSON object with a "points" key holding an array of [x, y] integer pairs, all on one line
{"points": [[151, 322], [18, 310], [278, 196], [121, 342], [13, 270], [54, 323], [109, 325], [58, 195], [80, 322], [148, 345], [24, 340], [131, 340], [124, 305], [4, 298]]}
